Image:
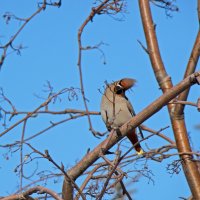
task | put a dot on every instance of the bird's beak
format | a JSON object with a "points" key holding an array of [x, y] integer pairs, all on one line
{"points": [[127, 83]]}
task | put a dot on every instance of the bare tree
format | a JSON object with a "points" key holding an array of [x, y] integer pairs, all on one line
{"points": [[103, 174]]}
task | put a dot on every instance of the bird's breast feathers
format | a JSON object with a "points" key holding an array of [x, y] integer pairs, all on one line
{"points": [[115, 112]]}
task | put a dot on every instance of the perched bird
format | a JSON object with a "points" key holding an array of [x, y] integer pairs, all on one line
{"points": [[116, 109]]}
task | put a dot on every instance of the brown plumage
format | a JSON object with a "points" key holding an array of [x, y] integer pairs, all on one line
{"points": [[116, 109]]}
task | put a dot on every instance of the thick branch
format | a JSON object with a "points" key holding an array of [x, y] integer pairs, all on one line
{"points": [[191, 66], [178, 123], [154, 107], [163, 79]]}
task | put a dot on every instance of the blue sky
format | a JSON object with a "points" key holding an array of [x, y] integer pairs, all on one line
{"points": [[51, 54]]}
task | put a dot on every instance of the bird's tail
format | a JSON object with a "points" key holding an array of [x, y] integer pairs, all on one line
{"points": [[134, 140]]}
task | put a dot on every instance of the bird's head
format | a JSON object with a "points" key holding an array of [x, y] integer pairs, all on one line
{"points": [[122, 85]]}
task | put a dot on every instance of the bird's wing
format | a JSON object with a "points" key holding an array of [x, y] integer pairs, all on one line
{"points": [[130, 107], [132, 111]]}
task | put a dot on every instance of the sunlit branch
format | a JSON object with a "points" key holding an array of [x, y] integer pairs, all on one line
{"points": [[178, 123]]}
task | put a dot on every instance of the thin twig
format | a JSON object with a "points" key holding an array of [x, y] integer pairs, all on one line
{"points": [[9, 43], [114, 167], [143, 47], [124, 188], [52, 112], [21, 154], [146, 138], [88, 178], [26, 21], [176, 101], [47, 156], [30, 114], [145, 128], [36, 182], [36, 189], [80, 31]]}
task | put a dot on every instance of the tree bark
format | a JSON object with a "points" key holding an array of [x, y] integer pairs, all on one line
{"points": [[164, 81]]}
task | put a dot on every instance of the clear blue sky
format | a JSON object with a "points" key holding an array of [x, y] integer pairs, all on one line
{"points": [[51, 54]]}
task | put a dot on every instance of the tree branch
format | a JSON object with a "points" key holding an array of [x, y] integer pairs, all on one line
{"points": [[26, 21], [31, 114], [191, 66], [163, 79], [36, 189], [46, 155], [178, 124], [145, 128], [114, 167], [80, 31]]}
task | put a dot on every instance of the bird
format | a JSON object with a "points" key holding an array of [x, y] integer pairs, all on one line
{"points": [[116, 109]]}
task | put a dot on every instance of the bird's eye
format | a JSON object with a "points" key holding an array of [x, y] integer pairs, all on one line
{"points": [[118, 89]]}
